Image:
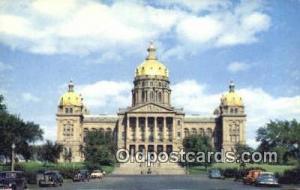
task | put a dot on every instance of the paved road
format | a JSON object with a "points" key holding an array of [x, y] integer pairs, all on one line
{"points": [[155, 183]]}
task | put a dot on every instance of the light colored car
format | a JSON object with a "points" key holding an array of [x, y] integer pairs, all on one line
{"points": [[267, 179], [215, 174], [97, 174]]}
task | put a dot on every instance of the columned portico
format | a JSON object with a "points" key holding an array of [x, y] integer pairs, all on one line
{"points": [[149, 130]]}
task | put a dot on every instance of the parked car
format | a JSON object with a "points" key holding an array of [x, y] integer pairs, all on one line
{"points": [[215, 174], [267, 179], [97, 174], [251, 176], [81, 175], [59, 176], [50, 179], [13, 180]]}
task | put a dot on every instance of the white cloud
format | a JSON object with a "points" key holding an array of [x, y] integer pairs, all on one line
{"points": [[235, 67], [199, 29], [77, 26], [260, 106], [192, 97], [107, 96], [28, 97]]}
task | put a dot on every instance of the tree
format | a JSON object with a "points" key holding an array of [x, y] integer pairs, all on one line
{"points": [[2, 105], [14, 130], [240, 149], [99, 150], [67, 154], [198, 143], [50, 151], [282, 137]]}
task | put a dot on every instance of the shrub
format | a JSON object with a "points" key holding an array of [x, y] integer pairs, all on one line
{"points": [[290, 176], [230, 172]]}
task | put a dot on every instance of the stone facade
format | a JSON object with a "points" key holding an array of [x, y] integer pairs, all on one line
{"points": [[151, 123]]}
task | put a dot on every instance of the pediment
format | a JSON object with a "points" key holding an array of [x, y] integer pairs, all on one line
{"points": [[151, 107]]}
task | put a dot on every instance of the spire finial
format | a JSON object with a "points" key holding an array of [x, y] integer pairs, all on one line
{"points": [[151, 51], [71, 86], [231, 86]]}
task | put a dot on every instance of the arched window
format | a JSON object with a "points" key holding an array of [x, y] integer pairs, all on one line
{"points": [[237, 129], [68, 130], [85, 132], [230, 129], [194, 131], [143, 96], [101, 130], [71, 110], [201, 131], [159, 97], [186, 132], [209, 132], [109, 131], [151, 96]]}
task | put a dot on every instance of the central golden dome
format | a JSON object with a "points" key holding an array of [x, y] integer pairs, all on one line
{"points": [[151, 66]]}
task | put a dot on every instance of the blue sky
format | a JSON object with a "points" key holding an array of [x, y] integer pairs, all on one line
{"points": [[98, 44]]}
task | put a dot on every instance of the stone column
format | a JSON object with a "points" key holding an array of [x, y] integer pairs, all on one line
{"points": [[127, 132], [146, 130], [137, 129], [173, 130], [155, 130], [165, 137]]}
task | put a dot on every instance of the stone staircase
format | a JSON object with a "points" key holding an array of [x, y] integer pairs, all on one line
{"points": [[135, 168]]}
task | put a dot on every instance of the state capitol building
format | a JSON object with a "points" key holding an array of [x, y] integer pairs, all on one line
{"points": [[151, 123]]}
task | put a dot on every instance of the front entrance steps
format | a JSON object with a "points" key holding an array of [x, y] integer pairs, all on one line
{"points": [[135, 168]]}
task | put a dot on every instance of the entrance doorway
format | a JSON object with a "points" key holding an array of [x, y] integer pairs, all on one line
{"points": [[132, 150], [169, 149], [150, 148], [160, 148]]}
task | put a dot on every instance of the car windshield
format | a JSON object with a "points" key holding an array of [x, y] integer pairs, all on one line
{"points": [[11, 175], [267, 177], [215, 172]]}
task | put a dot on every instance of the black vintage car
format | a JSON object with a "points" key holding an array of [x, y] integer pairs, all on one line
{"points": [[51, 178], [81, 175], [12, 180]]}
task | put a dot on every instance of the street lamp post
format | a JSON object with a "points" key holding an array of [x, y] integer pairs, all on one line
{"points": [[13, 146]]}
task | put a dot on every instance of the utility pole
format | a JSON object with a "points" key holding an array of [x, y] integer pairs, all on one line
{"points": [[13, 146]]}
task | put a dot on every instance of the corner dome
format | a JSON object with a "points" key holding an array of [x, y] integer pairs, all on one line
{"points": [[70, 98], [231, 98], [151, 66]]}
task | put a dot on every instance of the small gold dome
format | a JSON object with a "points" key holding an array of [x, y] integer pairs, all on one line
{"points": [[231, 98], [151, 66], [70, 98]]}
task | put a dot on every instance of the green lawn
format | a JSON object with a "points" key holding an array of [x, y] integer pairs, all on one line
{"points": [[271, 168]]}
